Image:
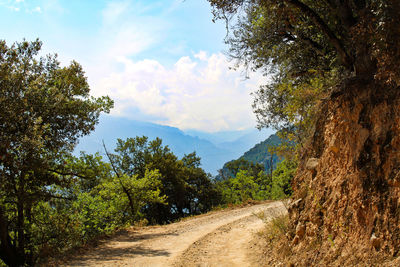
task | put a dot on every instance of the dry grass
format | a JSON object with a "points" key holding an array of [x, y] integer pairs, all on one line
{"points": [[278, 250]]}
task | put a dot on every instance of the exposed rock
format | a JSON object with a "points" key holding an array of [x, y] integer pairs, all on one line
{"points": [[295, 240], [375, 241], [294, 204], [300, 230], [311, 229], [312, 164], [356, 191]]}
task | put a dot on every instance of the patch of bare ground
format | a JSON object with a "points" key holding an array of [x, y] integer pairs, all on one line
{"points": [[229, 245], [187, 242]]}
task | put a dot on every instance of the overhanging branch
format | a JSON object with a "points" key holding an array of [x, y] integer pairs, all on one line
{"points": [[319, 22]]}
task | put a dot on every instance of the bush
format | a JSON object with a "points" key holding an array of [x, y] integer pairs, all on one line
{"points": [[282, 178]]}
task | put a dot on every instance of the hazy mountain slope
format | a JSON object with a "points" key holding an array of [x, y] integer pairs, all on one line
{"points": [[213, 155], [259, 153], [249, 136]]}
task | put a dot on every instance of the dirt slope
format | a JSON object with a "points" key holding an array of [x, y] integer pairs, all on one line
{"points": [[219, 238], [347, 188]]}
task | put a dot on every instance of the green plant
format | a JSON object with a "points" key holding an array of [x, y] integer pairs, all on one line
{"points": [[281, 179], [277, 224]]}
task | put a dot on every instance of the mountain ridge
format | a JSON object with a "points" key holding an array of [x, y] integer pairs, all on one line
{"points": [[213, 151]]}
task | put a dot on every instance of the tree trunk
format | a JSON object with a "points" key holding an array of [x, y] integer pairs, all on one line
{"points": [[350, 204], [8, 253]]}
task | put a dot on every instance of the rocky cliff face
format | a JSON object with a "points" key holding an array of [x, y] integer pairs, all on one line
{"points": [[346, 201]]}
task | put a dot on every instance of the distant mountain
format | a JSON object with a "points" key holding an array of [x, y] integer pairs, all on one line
{"points": [[237, 142], [251, 135], [212, 149], [259, 154]]}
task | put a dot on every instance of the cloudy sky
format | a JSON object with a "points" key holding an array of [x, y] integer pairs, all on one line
{"points": [[160, 61]]}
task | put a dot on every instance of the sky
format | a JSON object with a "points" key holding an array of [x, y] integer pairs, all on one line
{"points": [[160, 61]]}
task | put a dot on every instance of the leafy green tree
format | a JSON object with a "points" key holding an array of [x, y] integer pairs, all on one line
{"points": [[308, 47], [116, 202], [95, 204], [88, 170], [240, 188], [44, 109], [201, 192], [136, 155], [232, 168], [188, 189], [282, 176]]}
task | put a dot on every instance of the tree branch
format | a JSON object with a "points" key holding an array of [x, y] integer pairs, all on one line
{"points": [[345, 14], [126, 191], [68, 173], [319, 22], [300, 36]]}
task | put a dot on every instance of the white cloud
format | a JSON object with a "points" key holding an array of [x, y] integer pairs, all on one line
{"points": [[195, 93], [202, 55], [113, 11], [188, 90], [127, 31], [10, 5], [18, 5], [37, 9]]}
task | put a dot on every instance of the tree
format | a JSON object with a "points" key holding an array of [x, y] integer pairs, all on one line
{"points": [[79, 212], [297, 36], [231, 168], [184, 184], [333, 66], [134, 156], [133, 180], [44, 109], [282, 178], [116, 202], [201, 194], [308, 47]]}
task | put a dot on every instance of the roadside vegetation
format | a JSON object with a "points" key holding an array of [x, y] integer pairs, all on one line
{"points": [[52, 201], [250, 181]]}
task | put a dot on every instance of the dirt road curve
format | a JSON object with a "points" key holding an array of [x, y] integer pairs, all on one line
{"points": [[220, 238]]}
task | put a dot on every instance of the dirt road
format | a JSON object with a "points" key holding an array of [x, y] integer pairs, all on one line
{"points": [[220, 238]]}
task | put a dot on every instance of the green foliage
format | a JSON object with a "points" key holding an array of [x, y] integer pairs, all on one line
{"points": [[281, 179], [103, 197], [90, 170], [290, 106], [260, 153], [44, 109], [239, 189], [188, 189], [308, 48], [94, 204], [245, 186], [201, 192], [107, 206], [290, 38], [232, 168]]}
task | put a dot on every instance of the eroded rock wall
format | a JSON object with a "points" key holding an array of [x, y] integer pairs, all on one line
{"points": [[347, 189]]}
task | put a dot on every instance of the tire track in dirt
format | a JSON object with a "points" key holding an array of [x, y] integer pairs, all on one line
{"points": [[229, 245], [176, 243]]}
